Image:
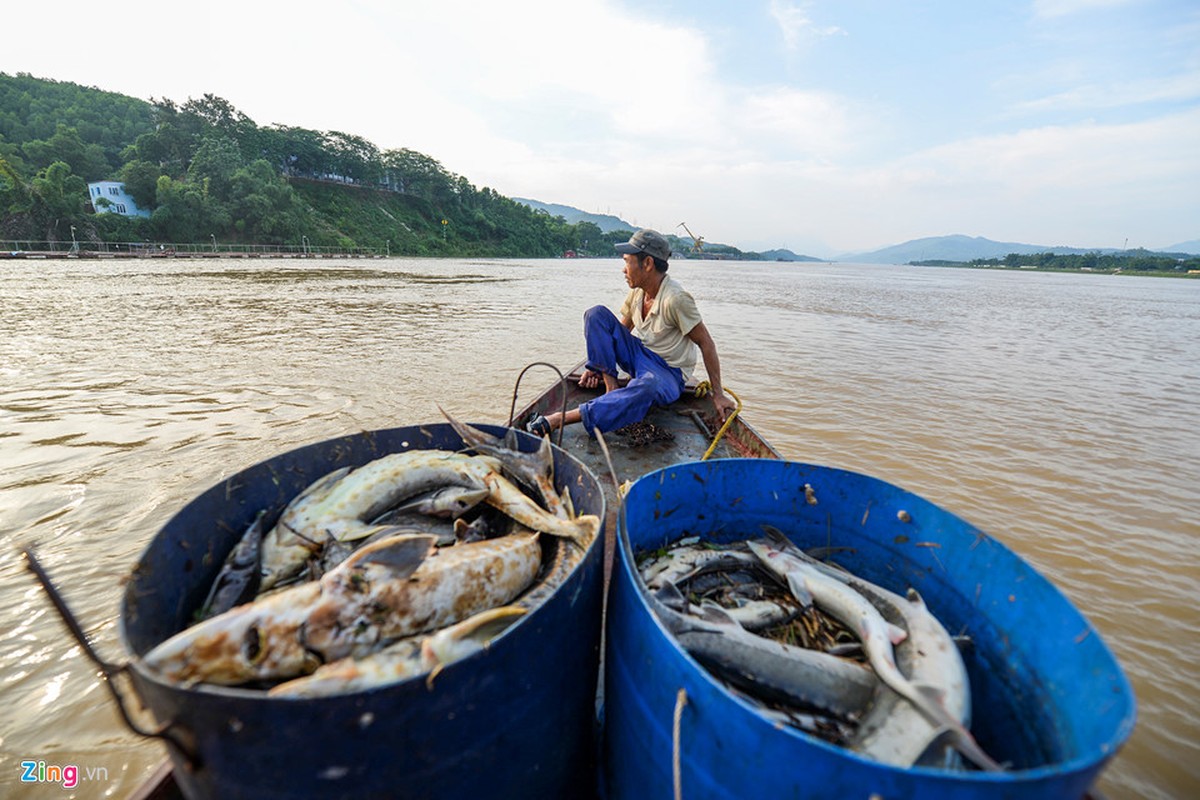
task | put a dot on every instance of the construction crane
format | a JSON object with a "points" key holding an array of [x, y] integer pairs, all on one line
{"points": [[697, 241]]}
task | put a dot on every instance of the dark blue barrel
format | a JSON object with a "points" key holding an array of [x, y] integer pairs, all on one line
{"points": [[1048, 696], [515, 721]]}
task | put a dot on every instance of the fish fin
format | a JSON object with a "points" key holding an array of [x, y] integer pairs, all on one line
{"points": [[402, 553], [896, 634], [486, 625], [352, 531], [964, 742], [777, 538], [914, 597], [567, 504], [957, 734], [711, 612], [471, 436], [670, 596], [845, 649], [798, 586], [323, 483], [545, 457]]}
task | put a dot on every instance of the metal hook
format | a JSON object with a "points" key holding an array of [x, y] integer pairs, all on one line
{"points": [[109, 671], [512, 409]]}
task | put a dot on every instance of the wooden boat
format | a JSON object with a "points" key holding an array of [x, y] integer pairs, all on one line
{"points": [[684, 431]]}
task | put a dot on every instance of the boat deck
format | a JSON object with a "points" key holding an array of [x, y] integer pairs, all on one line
{"points": [[678, 433]]}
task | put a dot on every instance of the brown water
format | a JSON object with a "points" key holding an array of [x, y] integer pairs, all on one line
{"points": [[1057, 412]]}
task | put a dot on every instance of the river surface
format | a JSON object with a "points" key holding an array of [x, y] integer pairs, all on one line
{"points": [[1057, 412]]}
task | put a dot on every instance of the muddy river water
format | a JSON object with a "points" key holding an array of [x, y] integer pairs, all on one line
{"points": [[1056, 412]]}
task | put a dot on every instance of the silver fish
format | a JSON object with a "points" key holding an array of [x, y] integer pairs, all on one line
{"points": [[877, 635], [341, 510], [444, 502], [387, 590], [407, 658], [768, 668], [681, 563]]}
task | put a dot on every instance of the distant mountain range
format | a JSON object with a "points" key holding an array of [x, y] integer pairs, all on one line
{"points": [[967, 248], [933, 248], [606, 222], [1191, 248]]}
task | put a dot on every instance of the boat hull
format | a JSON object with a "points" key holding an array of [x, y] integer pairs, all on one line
{"points": [[1047, 693], [516, 720]]}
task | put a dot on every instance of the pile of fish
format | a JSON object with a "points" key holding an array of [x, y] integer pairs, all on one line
{"points": [[818, 648], [384, 572]]}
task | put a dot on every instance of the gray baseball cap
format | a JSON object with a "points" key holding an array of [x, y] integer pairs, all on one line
{"points": [[652, 243]]}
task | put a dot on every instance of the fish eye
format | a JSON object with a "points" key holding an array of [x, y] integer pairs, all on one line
{"points": [[252, 645]]}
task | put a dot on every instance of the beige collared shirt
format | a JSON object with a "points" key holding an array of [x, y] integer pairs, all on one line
{"points": [[664, 330]]}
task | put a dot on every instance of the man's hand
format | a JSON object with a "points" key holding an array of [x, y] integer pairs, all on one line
{"points": [[589, 379], [724, 405]]}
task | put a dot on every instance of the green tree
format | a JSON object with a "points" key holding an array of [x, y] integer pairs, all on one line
{"points": [[85, 160], [141, 181], [263, 206], [58, 200], [214, 163], [187, 213]]}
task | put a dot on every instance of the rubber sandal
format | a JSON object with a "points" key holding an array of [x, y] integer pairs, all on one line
{"points": [[538, 426]]}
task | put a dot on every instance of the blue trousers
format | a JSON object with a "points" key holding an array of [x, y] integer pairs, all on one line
{"points": [[652, 381]]}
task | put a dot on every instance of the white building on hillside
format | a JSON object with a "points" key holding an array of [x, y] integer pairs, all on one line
{"points": [[110, 197]]}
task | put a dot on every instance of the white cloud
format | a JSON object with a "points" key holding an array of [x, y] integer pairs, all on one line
{"points": [[796, 24]]}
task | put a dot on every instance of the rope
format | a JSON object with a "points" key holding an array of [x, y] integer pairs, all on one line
{"points": [[702, 390], [676, 773]]}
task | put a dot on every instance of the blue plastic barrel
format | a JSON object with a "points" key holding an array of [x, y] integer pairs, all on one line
{"points": [[515, 721], [1048, 697]]}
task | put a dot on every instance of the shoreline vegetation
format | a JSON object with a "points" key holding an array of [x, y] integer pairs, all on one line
{"points": [[1133, 262]]}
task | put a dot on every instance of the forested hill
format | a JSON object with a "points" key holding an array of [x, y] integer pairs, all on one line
{"points": [[207, 171]]}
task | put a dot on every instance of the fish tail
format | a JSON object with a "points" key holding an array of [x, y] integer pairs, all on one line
{"points": [[956, 732]]}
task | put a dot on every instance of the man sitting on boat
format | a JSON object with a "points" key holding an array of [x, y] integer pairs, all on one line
{"points": [[654, 340]]}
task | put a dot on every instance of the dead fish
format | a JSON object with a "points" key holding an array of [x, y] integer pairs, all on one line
{"points": [[340, 511], [407, 658], [282, 543], [467, 637], [894, 731], [757, 615], [771, 669], [877, 635], [238, 580], [335, 552], [445, 502], [393, 588], [535, 470], [682, 563]]}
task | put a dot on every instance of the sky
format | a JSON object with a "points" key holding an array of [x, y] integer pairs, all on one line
{"points": [[822, 127]]}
